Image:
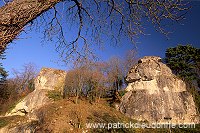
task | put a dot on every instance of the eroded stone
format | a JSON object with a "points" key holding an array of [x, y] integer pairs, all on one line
{"points": [[47, 79], [155, 94]]}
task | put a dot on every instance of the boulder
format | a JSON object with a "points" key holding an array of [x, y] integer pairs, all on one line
{"points": [[48, 79], [155, 94]]}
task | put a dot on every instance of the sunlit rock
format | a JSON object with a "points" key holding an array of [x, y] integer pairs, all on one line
{"points": [[47, 79], [155, 94]]}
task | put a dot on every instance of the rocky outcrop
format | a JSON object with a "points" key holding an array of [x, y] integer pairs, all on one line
{"points": [[20, 127], [155, 94], [48, 79]]}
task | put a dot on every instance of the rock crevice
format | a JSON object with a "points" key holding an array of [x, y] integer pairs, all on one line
{"points": [[155, 94], [48, 79]]}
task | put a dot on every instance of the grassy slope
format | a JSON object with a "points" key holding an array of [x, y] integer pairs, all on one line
{"points": [[64, 116]]}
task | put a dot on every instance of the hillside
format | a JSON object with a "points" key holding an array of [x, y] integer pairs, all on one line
{"points": [[66, 116], [63, 116], [80, 101]]}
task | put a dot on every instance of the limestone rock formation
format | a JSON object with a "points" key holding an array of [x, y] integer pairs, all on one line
{"points": [[48, 79], [155, 94]]}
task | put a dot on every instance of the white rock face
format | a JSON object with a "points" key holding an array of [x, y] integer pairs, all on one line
{"points": [[155, 94], [48, 79]]}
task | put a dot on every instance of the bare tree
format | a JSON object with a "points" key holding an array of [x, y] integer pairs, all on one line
{"points": [[115, 73], [24, 79], [18, 13], [130, 60], [85, 80], [94, 20]]}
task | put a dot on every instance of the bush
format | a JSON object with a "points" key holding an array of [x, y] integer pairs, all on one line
{"points": [[54, 94], [122, 93], [3, 123]]}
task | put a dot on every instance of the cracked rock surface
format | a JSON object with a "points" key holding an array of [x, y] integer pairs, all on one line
{"points": [[155, 94], [47, 79]]}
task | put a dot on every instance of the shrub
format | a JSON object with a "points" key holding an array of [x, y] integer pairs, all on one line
{"points": [[3, 123], [54, 94], [122, 93]]}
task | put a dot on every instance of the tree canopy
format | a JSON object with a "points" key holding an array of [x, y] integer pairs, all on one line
{"points": [[3, 76], [184, 60], [3, 73], [92, 20]]}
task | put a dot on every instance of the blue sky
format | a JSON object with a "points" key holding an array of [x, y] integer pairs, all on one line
{"points": [[28, 48]]}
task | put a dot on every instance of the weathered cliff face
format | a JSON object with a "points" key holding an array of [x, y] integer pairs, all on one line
{"points": [[48, 79], [156, 95]]}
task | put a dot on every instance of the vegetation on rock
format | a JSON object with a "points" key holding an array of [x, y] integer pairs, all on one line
{"points": [[54, 94]]}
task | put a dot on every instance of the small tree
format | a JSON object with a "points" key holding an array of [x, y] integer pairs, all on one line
{"points": [[3, 73], [130, 60], [74, 83], [24, 79], [115, 72], [96, 84], [84, 80], [3, 86]]}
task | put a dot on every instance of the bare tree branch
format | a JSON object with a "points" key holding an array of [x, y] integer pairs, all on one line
{"points": [[95, 21], [16, 14]]}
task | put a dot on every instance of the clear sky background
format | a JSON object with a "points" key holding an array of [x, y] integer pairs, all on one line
{"points": [[28, 48]]}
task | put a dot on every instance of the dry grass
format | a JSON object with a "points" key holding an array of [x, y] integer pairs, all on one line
{"points": [[65, 116]]}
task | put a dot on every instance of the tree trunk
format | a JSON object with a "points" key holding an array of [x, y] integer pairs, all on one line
{"points": [[15, 15], [77, 95]]}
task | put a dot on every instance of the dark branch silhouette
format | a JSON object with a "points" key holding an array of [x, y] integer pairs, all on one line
{"points": [[97, 21]]}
